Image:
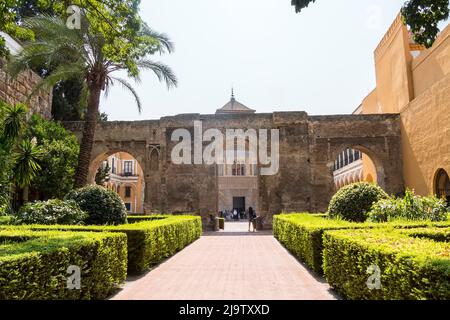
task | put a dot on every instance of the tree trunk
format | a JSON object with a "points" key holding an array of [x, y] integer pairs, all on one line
{"points": [[87, 141], [25, 193]]}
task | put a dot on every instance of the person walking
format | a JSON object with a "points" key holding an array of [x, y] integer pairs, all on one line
{"points": [[251, 219]]}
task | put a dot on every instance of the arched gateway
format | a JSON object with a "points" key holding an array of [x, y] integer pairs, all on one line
{"points": [[308, 147]]}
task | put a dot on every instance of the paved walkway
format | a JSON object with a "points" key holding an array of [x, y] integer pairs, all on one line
{"points": [[230, 265]]}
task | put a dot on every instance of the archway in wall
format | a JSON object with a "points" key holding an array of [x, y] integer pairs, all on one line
{"points": [[356, 164], [122, 173], [442, 185]]}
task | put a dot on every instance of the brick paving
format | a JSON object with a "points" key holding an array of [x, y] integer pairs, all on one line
{"points": [[229, 265]]}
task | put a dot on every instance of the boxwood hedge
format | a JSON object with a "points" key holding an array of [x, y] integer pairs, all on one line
{"points": [[137, 218], [33, 264], [149, 242], [302, 234], [411, 265]]}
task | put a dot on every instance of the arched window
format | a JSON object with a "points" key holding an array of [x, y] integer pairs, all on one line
{"points": [[442, 185]]}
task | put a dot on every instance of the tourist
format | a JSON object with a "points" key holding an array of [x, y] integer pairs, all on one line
{"points": [[251, 219]]}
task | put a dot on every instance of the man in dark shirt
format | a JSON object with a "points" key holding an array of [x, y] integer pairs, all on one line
{"points": [[251, 219]]}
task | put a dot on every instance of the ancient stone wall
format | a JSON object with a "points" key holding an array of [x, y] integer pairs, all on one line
{"points": [[18, 90], [308, 147]]}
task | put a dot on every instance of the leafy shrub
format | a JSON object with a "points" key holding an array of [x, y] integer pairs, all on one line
{"points": [[149, 242], [103, 206], [353, 202], [34, 264], [410, 267], [411, 207], [50, 212], [385, 210], [60, 157]]}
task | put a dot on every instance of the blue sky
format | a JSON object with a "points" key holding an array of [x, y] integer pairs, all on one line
{"points": [[319, 61]]}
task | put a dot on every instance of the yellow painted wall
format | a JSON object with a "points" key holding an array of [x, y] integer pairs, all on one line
{"points": [[426, 137], [432, 65], [370, 103], [369, 171], [392, 69], [419, 89]]}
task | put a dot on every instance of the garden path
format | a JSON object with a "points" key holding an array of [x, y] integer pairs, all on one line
{"points": [[229, 265]]}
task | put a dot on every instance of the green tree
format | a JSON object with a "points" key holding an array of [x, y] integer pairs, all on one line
{"points": [[12, 121], [26, 166], [422, 16], [102, 175], [113, 18], [60, 155], [94, 55], [23, 152]]}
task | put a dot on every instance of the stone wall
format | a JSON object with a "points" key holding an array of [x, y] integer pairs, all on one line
{"points": [[18, 90], [308, 147]]}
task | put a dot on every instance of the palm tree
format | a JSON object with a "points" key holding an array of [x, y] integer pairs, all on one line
{"points": [[13, 123], [25, 154], [26, 165], [84, 54]]}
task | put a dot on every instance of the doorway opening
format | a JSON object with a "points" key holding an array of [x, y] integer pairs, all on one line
{"points": [[239, 206]]}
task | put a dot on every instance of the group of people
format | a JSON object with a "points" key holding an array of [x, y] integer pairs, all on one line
{"points": [[236, 215]]}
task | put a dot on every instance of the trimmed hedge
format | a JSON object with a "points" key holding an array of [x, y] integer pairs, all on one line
{"points": [[302, 234], [411, 267], [33, 264], [134, 219], [436, 234], [5, 220], [149, 242]]}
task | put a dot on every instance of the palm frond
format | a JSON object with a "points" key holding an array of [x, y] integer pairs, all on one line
{"points": [[165, 43], [56, 45], [162, 71], [130, 88], [52, 28], [62, 73]]}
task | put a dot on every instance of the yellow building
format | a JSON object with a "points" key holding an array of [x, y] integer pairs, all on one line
{"points": [[415, 82], [127, 179]]}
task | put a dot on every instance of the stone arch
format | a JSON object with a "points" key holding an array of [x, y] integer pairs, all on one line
{"points": [[442, 184], [369, 152], [103, 150]]}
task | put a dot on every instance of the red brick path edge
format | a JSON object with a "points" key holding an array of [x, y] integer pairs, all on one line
{"points": [[230, 265]]}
